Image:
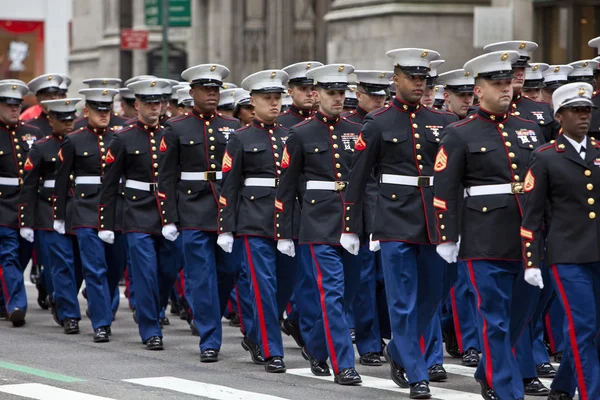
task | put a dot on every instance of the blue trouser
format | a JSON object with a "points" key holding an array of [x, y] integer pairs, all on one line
{"points": [[243, 290], [200, 268], [11, 271], [432, 342], [382, 305], [307, 308], [502, 295], [554, 323], [364, 306], [103, 265], [540, 354], [337, 276], [578, 289], [272, 276], [414, 286], [464, 311], [526, 345], [60, 260], [155, 263], [228, 266]]}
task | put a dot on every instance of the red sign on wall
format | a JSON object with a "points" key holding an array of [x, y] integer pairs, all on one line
{"points": [[132, 39]]}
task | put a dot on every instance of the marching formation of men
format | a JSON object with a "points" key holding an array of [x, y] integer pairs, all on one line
{"points": [[388, 210]]}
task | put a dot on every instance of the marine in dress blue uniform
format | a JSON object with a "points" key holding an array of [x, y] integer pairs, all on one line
{"points": [[300, 90], [82, 163], [320, 150], [116, 121], [16, 139], [400, 141], [487, 154], [133, 155], [35, 205], [253, 164], [559, 193], [191, 151], [554, 77]]}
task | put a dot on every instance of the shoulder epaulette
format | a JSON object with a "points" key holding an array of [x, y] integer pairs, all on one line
{"points": [[179, 118]]}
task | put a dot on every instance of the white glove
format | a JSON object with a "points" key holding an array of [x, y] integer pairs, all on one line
{"points": [[107, 236], [225, 241], [59, 226], [448, 251], [374, 245], [27, 234], [286, 246], [170, 232], [533, 276], [350, 242]]}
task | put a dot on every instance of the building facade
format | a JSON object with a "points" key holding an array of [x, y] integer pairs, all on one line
{"points": [[250, 35]]}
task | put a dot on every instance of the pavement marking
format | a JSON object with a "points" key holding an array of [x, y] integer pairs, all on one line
{"points": [[39, 372], [470, 371], [46, 392], [202, 389], [388, 384]]}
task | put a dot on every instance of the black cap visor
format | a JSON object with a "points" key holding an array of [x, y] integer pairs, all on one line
{"points": [[227, 107], [100, 105], [207, 82], [374, 89], [302, 81], [11, 100], [534, 84], [586, 79], [438, 103], [64, 116], [417, 71], [553, 85], [350, 103], [431, 81], [50, 89], [150, 98], [274, 89], [496, 75], [460, 88], [333, 85]]}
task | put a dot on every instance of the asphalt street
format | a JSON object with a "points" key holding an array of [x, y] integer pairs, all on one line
{"points": [[38, 361]]}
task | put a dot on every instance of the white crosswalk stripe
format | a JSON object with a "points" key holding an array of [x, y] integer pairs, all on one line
{"points": [[387, 384], [215, 392], [39, 391]]}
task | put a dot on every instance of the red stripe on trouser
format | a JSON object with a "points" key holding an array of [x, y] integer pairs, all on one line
{"points": [[332, 355], [289, 309], [422, 343], [239, 308], [548, 324], [126, 276], [489, 374], [457, 330], [572, 337], [229, 307], [4, 289], [259, 308], [34, 257]]}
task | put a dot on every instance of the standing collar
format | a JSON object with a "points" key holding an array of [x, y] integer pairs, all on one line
{"points": [[9, 127], [263, 125], [206, 117], [326, 119], [146, 127], [406, 107], [301, 112], [98, 131], [492, 117]]}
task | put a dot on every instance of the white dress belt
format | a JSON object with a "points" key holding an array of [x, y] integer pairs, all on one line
{"points": [[502, 188], [88, 180], [49, 183], [262, 182], [406, 180], [336, 186], [202, 176], [138, 185], [9, 181]]}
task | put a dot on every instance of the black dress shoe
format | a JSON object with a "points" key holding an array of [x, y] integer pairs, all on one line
{"points": [[470, 358], [545, 370], [558, 395], [371, 359], [420, 390], [437, 373], [154, 343], [175, 308], [254, 350], [101, 335], [292, 330], [318, 368], [41, 300], [347, 376], [84, 293], [558, 357], [164, 322], [533, 387], [235, 321], [275, 365], [194, 330], [451, 343], [487, 392], [134, 315], [209, 356], [353, 335], [17, 317], [71, 326], [398, 373]]}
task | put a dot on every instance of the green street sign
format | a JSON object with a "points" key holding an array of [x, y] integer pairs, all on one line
{"points": [[180, 13]]}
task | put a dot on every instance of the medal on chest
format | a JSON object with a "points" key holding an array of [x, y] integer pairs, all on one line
{"points": [[526, 136], [349, 139]]}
